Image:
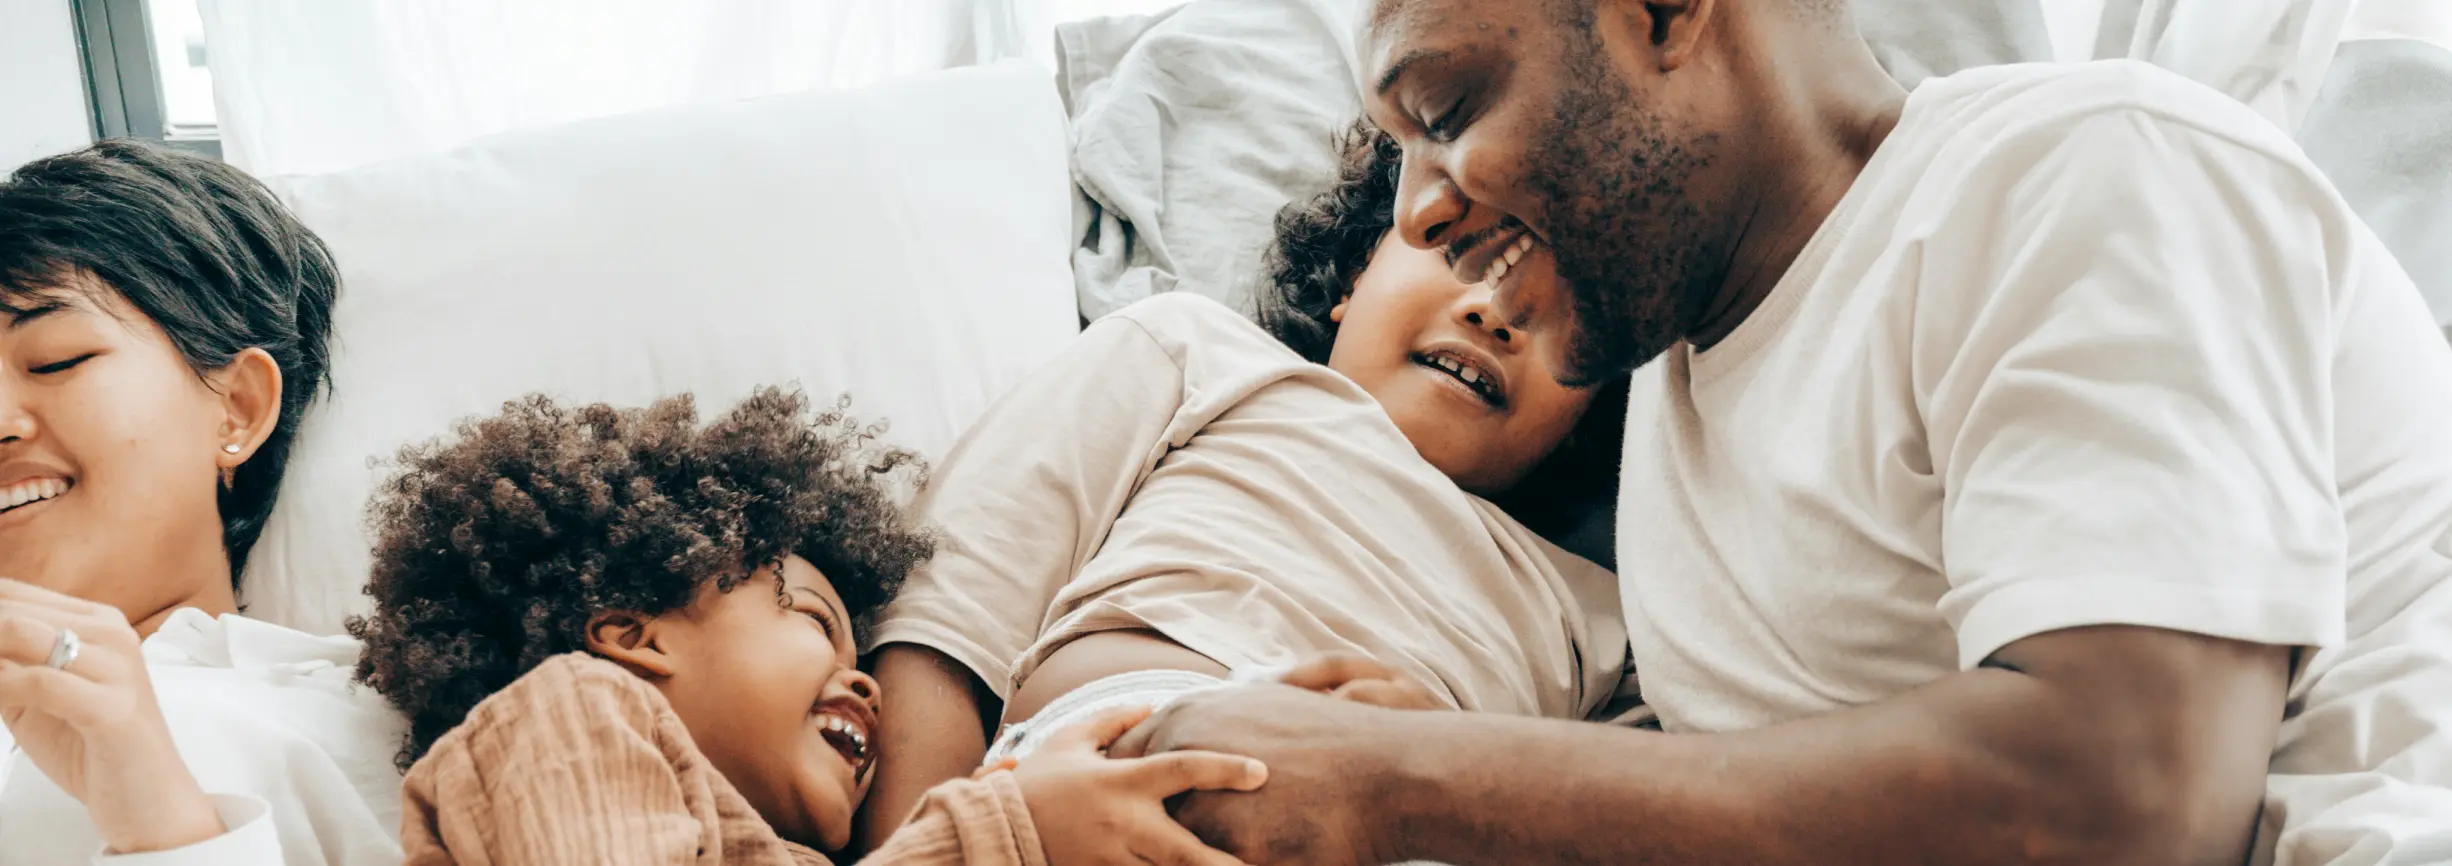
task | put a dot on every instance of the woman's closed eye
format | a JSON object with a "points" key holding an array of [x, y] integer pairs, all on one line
{"points": [[62, 366]]}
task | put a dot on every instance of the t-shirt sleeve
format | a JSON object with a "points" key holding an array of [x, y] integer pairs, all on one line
{"points": [[2123, 343], [1029, 493]]}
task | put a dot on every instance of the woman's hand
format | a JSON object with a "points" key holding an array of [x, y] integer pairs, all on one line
{"points": [[92, 726], [1364, 680], [1092, 810]]}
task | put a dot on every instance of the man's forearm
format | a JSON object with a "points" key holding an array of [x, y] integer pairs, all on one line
{"points": [[1989, 766]]}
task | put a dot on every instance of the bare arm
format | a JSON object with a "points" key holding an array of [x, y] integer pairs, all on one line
{"points": [[2109, 745], [937, 718], [932, 727]]}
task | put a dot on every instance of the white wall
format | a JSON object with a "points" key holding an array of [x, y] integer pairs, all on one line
{"points": [[42, 88]]}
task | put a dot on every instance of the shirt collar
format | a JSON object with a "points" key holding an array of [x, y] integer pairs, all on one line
{"points": [[190, 637]]}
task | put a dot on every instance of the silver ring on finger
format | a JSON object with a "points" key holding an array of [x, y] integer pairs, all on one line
{"points": [[64, 650]]}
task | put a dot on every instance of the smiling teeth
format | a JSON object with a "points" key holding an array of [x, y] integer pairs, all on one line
{"points": [[1451, 365], [28, 492], [1507, 261], [1470, 374], [859, 741]]}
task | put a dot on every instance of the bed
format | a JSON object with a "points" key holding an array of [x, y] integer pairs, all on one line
{"points": [[922, 244]]}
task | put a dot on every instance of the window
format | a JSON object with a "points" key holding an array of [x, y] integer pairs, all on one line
{"points": [[146, 72]]}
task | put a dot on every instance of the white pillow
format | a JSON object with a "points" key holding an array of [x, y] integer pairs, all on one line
{"points": [[905, 244]]}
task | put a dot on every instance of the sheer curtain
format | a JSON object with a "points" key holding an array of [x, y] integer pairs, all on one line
{"points": [[307, 86]]}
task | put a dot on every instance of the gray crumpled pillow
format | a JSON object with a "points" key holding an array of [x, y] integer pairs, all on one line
{"points": [[1191, 128], [1920, 39], [2381, 128]]}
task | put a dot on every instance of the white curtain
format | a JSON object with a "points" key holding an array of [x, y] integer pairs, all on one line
{"points": [[310, 86]]}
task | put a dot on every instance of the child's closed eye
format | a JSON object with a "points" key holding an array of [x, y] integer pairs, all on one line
{"points": [[825, 620]]}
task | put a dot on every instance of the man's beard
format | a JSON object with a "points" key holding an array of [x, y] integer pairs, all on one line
{"points": [[1639, 259]]}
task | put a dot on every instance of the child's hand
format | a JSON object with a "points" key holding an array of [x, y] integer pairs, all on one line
{"points": [[1362, 679], [1092, 810]]}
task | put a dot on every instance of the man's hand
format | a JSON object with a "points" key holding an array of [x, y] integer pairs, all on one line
{"points": [[1093, 810], [1306, 814], [1329, 765]]}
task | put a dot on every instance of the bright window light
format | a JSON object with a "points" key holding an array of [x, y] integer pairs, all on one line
{"points": [[187, 82]]}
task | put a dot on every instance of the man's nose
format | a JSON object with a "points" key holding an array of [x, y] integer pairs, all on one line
{"points": [[1429, 207]]}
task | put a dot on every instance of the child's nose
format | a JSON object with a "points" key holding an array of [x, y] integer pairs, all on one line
{"points": [[1475, 312], [861, 686]]}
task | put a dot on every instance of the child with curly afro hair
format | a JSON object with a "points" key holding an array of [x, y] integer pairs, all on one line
{"points": [[619, 635]]}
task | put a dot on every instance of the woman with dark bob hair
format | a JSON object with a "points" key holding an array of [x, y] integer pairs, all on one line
{"points": [[163, 326]]}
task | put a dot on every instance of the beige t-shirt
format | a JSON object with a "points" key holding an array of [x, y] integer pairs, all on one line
{"points": [[1180, 470], [2082, 345]]}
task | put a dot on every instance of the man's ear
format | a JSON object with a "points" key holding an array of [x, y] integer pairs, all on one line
{"points": [[250, 388], [1672, 28], [630, 640]]}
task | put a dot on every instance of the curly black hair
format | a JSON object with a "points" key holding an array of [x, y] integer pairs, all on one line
{"points": [[494, 551], [1323, 243]]}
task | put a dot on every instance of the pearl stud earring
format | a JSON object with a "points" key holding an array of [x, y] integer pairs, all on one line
{"points": [[232, 448]]}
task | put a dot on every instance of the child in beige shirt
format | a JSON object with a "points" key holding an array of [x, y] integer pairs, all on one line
{"points": [[622, 637], [1185, 496]]}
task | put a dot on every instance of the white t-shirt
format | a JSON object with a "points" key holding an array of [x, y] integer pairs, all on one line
{"points": [[299, 757], [1179, 470], [2083, 345]]}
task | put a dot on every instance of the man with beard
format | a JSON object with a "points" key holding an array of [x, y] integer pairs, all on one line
{"points": [[2043, 467]]}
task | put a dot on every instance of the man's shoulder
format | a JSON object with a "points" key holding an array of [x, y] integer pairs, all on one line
{"points": [[2040, 145], [2031, 108]]}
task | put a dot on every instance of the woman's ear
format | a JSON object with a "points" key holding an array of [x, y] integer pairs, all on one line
{"points": [[630, 640], [250, 389]]}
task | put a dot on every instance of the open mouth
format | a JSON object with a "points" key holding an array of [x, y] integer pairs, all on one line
{"points": [[1488, 259], [31, 492], [1471, 372], [1506, 261], [847, 731]]}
